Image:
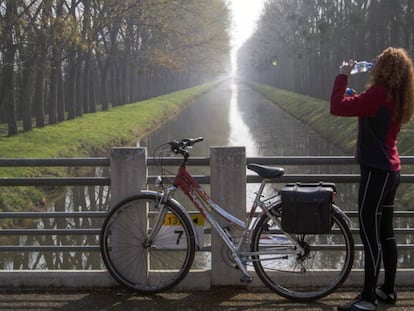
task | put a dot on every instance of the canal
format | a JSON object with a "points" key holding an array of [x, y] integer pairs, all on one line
{"points": [[235, 115]]}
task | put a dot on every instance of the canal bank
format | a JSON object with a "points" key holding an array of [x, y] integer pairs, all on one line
{"points": [[93, 134], [316, 114]]}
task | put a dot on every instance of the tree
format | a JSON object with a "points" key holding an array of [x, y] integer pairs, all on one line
{"points": [[70, 55], [8, 88], [310, 38]]}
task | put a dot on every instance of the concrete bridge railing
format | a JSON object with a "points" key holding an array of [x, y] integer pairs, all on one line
{"points": [[129, 172]]}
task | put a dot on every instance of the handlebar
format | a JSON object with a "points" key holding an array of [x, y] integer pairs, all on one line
{"points": [[180, 146]]}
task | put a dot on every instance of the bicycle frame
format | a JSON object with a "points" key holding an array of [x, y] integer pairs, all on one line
{"points": [[205, 205], [203, 202]]}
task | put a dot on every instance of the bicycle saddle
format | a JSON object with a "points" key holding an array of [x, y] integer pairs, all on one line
{"points": [[266, 172]]}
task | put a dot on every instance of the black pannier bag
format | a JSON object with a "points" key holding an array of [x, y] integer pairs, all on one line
{"points": [[307, 207]]}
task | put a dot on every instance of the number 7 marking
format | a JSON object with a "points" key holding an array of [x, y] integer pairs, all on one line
{"points": [[180, 234]]}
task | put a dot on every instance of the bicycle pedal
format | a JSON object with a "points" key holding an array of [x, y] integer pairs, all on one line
{"points": [[246, 279]]}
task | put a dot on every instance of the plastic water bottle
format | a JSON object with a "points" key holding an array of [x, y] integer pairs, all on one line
{"points": [[362, 66], [350, 91]]}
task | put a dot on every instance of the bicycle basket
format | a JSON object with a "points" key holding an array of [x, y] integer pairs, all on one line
{"points": [[307, 207]]}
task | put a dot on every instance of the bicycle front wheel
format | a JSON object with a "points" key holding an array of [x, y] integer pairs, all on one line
{"points": [[136, 255], [322, 266]]}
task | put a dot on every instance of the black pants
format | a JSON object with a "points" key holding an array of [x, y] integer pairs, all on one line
{"points": [[376, 207]]}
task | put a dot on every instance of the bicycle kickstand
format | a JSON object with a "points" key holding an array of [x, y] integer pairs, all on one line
{"points": [[246, 278]]}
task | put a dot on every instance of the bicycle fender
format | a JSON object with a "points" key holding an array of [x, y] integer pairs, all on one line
{"points": [[261, 214], [179, 206], [342, 213]]}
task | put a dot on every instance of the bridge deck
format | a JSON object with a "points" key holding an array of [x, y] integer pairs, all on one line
{"points": [[218, 298]]}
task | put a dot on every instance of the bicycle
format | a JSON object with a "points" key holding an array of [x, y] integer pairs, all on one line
{"points": [[148, 241]]}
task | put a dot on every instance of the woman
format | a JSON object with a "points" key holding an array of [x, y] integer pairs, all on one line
{"points": [[382, 109]]}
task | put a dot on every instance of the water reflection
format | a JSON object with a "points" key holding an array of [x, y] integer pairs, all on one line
{"points": [[71, 199], [239, 132]]}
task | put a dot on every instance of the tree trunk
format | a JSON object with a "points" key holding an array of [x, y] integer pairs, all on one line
{"points": [[86, 83], [9, 98], [27, 90], [79, 86], [104, 98], [40, 91], [71, 92], [60, 98], [53, 90], [60, 95]]}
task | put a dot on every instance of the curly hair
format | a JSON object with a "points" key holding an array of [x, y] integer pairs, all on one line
{"points": [[393, 69]]}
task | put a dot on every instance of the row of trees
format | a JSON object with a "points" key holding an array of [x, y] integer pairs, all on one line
{"points": [[299, 44], [60, 59]]}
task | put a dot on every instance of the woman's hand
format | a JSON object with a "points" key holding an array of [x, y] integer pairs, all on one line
{"points": [[346, 67]]}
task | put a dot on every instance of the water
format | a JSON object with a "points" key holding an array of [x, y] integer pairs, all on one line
{"points": [[234, 115]]}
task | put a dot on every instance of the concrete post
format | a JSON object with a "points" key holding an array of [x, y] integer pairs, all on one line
{"points": [[128, 172], [228, 189], [128, 176]]}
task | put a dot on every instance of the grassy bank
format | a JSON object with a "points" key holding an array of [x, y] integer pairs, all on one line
{"points": [[89, 135], [315, 113]]}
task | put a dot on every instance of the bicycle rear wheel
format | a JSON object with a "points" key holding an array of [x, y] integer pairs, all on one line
{"points": [[145, 265], [321, 269]]}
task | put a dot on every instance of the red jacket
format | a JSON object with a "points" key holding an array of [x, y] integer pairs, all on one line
{"points": [[377, 130]]}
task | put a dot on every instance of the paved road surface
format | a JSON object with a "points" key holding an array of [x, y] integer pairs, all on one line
{"points": [[219, 298]]}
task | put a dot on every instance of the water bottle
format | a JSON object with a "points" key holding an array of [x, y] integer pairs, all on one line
{"points": [[350, 91], [362, 66]]}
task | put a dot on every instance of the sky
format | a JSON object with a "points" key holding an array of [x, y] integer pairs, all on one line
{"points": [[245, 14]]}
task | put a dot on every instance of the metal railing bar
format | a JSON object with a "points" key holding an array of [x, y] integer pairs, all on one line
{"points": [[50, 232], [339, 178], [307, 160], [106, 181], [96, 248], [56, 181], [174, 161], [399, 231], [101, 214], [396, 213], [200, 161], [46, 248], [21, 162], [96, 231], [53, 214], [302, 160]]}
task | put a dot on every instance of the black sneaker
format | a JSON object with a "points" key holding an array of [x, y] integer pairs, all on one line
{"points": [[386, 297], [358, 304]]}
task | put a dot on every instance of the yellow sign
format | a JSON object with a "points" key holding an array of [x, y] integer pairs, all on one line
{"points": [[171, 220]]}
